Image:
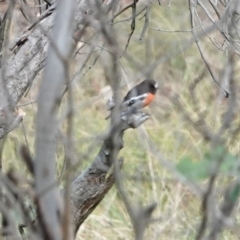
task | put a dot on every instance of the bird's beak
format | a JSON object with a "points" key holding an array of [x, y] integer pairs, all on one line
{"points": [[156, 86]]}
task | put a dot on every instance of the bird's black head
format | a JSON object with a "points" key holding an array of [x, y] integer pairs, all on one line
{"points": [[152, 85]]}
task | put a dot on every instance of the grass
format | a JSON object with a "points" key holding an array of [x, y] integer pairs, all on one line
{"points": [[146, 180]]}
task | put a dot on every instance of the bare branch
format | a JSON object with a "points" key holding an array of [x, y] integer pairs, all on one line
{"points": [[192, 10], [49, 202], [91, 186]]}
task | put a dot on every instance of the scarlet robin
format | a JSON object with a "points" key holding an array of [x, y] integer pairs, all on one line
{"points": [[141, 95], [138, 97]]}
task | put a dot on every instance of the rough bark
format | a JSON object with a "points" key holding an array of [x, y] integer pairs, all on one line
{"points": [[92, 185], [28, 59]]}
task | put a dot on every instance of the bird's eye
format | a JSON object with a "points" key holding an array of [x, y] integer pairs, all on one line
{"points": [[131, 102]]}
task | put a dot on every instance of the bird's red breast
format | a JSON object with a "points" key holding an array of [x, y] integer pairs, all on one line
{"points": [[148, 99]]}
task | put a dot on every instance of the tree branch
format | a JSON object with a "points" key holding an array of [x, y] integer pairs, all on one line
{"points": [[28, 59], [92, 185], [49, 203]]}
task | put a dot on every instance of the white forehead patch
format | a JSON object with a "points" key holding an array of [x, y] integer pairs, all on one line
{"points": [[156, 85]]}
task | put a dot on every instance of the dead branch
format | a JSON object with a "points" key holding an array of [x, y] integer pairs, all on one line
{"points": [[29, 56], [49, 203], [91, 186]]}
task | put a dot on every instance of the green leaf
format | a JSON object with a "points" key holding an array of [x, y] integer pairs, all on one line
{"points": [[193, 170], [200, 170], [228, 163], [234, 193]]}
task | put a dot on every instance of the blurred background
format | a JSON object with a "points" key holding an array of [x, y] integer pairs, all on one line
{"points": [[155, 153]]}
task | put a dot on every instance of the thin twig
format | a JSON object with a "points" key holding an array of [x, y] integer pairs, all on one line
{"points": [[131, 18], [132, 24], [192, 9], [124, 9], [146, 23], [215, 9]]}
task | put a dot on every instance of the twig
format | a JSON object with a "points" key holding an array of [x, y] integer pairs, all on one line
{"points": [[192, 88], [131, 18], [78, 72], [171, 31], [192, 9], [132, 24], [232, 103], [215, 44], [215, 9], [24, 36], [177, 30], [2, 33], [200, 124], [230, 200], [124, 9], [26, 156], [146, 23], [48, 3]]}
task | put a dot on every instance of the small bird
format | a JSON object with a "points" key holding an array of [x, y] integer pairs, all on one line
{"points": [[141, 95], [137, 98]]}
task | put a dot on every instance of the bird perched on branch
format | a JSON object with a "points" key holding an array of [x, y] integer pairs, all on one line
{"points": [[138, 97], [141, 95]]}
